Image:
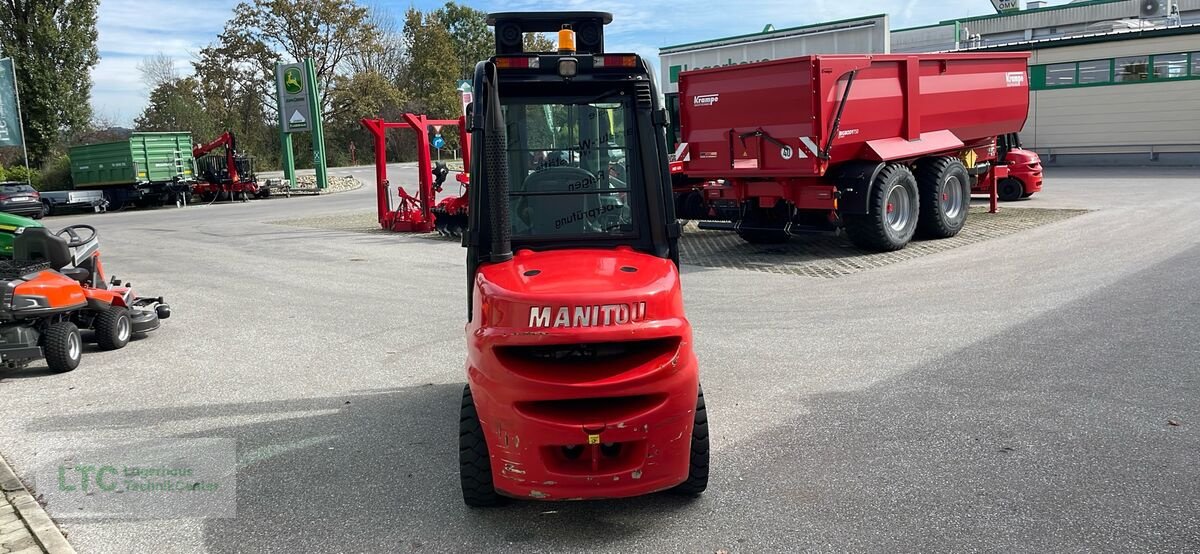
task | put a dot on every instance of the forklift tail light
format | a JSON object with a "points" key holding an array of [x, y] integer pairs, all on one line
{"points": [[615, 61], [517, 62]]}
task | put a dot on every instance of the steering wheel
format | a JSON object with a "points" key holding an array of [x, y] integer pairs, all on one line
{"points": [[75, 239]]}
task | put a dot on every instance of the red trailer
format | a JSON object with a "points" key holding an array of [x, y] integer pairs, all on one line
{"points": [[885, 146]]}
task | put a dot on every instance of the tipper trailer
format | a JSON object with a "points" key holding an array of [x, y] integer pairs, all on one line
{"points": [[884, 146], [147, 169]]}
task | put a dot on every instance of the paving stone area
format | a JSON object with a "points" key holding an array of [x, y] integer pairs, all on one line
{"points": [[25, 528], [830, 256], [817, 255]]}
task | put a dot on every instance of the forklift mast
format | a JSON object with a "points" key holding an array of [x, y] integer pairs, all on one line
{"points": [[573, 142]]}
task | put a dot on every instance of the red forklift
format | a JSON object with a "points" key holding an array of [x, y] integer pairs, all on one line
{"points": [[582, 379], [224, 177]]}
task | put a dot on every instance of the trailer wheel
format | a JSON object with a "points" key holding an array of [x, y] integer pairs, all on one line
{"points": [[113, 328], [945, 191], [474, 464], [1009, 189], [62, 346], [697, 479], [892, 216]]}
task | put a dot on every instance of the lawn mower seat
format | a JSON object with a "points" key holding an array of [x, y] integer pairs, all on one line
{"points": [[39, 244]]}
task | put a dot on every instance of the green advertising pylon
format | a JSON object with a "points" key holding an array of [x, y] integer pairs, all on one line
{"points": [[318, 128], [285, 140]]}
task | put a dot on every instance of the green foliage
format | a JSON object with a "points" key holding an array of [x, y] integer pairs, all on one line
{"points": [[19, 173], [56, 175], [176, 106], [470, 35], [331, 32], [368, 65], [53, 44], [539, 42], [431, 69], [3, 174]]}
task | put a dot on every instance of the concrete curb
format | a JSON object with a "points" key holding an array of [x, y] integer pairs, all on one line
{"points": [[45, 533]]}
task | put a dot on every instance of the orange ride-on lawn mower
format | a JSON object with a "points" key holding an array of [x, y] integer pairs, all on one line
{"points": [[582, 380], [55, 286]]}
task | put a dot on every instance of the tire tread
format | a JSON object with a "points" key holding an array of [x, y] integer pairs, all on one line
{"points": [[931, 223], [474, 463]]}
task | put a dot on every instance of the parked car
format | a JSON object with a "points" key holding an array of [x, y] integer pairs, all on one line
{"points": [[20, 199]]}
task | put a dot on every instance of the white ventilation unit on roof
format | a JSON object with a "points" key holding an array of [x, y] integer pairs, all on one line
{"points": [[1153, 8]]}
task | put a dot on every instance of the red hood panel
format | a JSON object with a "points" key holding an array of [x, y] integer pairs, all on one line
{"points": [[578, 288]]}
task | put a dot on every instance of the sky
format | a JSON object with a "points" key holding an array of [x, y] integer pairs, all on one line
{"points": [[130, 30]]}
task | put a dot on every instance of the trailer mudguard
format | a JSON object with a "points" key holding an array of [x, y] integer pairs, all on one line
{"points": [[854, 181]]}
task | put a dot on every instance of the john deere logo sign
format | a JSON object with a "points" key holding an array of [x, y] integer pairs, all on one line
{"points": [[294, 104], [292, 81]]}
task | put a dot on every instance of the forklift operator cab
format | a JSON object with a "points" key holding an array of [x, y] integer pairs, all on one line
{"points": [[572, 193], [582, 379]]}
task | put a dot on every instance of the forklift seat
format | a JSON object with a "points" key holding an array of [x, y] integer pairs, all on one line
{"points": [[560, 213], [34, 244]]}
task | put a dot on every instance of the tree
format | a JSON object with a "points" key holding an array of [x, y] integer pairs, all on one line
{"points": [[386, 58], [263, 32], [432, 65], [53, 44], [469, 32], [176, 106], [158, 70], [539, 42]]}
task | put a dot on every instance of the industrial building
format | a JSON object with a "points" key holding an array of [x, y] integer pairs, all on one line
{"points": [[1111, 81]]}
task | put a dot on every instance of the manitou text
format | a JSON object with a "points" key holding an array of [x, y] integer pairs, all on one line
{"points": [[586, 316]]}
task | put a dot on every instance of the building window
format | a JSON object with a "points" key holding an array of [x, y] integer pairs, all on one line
{"points": [[1195, 64], [1095, 71], [1170, 66], [1060, 74], [1134, 68]]}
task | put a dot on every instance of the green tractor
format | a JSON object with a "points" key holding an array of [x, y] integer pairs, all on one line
{"points": [[10, 225]]}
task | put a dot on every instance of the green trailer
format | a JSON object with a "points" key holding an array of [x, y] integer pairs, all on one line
{"points": [[145, 169]]}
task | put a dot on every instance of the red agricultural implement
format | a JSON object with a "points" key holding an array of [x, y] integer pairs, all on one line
{"points": [[417, 213], [224, 177], [884, 146]]}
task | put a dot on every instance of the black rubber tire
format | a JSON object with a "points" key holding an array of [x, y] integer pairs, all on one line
{"points": [[62, 346], [47, 209], [932, 177], [1009, 189], [697, 479], [474, 464], [108, 327], [1026, 194], [871, 231]]}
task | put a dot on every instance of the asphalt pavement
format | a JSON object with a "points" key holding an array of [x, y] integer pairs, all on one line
{"points": [[1029, 393]]}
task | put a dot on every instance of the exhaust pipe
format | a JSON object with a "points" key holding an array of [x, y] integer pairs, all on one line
{"points": [[495, 155]]}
